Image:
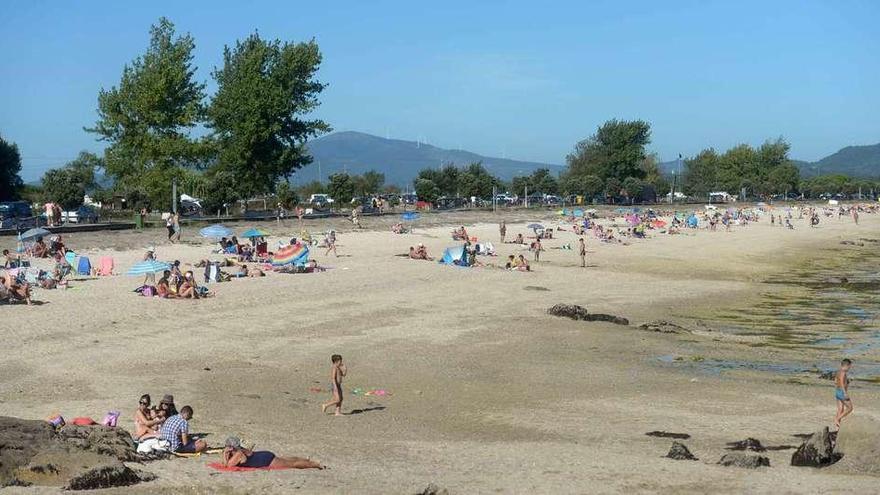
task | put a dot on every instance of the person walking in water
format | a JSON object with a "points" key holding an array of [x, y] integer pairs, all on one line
{"points": [[841, 392]]}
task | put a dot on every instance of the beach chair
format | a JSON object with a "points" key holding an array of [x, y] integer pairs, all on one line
{"points": [[84, 267], [70, 256], [262, 252], [105, 266]]}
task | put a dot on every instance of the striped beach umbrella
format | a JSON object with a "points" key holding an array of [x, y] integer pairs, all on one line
{"points": [[217, 231], [148, 266]]}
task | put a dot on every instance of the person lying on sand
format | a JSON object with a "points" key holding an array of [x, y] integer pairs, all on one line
{"points": [[175, 430], [236, 455], [145, 422]]}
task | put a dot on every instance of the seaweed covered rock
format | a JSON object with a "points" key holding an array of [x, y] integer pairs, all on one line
{"points": [[816, 451], [575, 312], [680, 452], [748, 461]]}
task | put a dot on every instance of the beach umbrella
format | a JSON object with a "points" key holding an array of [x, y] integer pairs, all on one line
{"points": [[32, 234], [251, 233], [535, 226], [292, 254], [148, 266], [410, 216], [216, 231]]}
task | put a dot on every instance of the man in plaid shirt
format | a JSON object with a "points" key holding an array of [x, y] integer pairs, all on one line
{"points": [[176, 431]]}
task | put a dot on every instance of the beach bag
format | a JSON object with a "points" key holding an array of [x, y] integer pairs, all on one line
{"points": [[110, 419], [84, 267], [56, 420], [148, 291], [153, 444]]}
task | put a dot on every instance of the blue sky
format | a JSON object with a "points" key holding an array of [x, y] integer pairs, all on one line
{"points": [[521, 79]]}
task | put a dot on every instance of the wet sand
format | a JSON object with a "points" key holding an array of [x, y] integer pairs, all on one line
{"points": [[490, 394]]}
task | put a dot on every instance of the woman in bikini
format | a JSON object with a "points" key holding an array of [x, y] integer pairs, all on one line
{"points": [[234, 455], [145, 423], [189, 289]]}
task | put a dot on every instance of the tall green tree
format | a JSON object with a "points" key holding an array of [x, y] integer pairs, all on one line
{"points": [[475, 180], [617, 150], [68, 185], [10, 167], [148, 117], [341, 188], [370, 182], [265, 90], [426, 189]]}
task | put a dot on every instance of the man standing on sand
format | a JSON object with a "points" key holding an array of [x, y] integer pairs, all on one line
{"points": [[175, 222], [582, 251], [503, 230]]}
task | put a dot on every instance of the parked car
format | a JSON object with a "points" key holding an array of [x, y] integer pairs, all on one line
{"points": [[190, 206], [16, 215], [409, 199], [320, 200], [83, 214]]}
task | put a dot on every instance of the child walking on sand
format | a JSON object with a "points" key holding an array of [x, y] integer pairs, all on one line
{"points": [[337, 372], [841, 392]]}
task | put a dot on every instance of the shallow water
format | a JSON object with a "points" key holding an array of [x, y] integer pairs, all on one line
{"points": [[863, 371], [829, 303]]}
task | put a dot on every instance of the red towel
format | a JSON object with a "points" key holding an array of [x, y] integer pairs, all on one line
{"points": [[219, 466]]}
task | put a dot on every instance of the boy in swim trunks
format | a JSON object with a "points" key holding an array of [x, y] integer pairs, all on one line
{"points": [[841, 392], [337, 372]]}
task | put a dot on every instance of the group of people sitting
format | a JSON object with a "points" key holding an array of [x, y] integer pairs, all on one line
{"points": [[40, 249], [419, 253], [518, 263], [257, 249], [399, 228], [169, 429], [460, 234]]}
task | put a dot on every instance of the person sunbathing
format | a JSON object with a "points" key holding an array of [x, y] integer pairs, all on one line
{"points": [[234, 455], [459, 234], [511, 262], [519, 239], [39, 249], [398, 228], [145, 422], [16, 291], [163, 286], [522, 264], [189, 289]]}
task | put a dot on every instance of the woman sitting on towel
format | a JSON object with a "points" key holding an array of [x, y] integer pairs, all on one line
{"points": [[145, 422], [522, 264], [189, 289], [163, 287], [234, 455]]}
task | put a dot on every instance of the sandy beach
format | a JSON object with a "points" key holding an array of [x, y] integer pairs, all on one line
{"points": [[488, 393]]}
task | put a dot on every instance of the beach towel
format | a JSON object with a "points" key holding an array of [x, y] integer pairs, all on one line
{"points": [[84, 267], [83, 421], [105, 266], [70, 257], [219, 466], [153, 444]]}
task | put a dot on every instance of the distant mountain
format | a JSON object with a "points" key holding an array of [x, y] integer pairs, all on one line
{"points": [[858, 161], [400, 161]]}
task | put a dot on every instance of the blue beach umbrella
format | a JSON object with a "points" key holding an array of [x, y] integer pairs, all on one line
{"points": [[216, 231], [252, 232], [148, 266], [32, 234]]}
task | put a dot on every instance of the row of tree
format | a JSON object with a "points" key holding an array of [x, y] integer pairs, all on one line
{"points": [[255, 126]]}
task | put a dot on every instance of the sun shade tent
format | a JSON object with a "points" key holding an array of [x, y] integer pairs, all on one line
{"points": [[292, 254], [455, 255], [217, 231]]}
